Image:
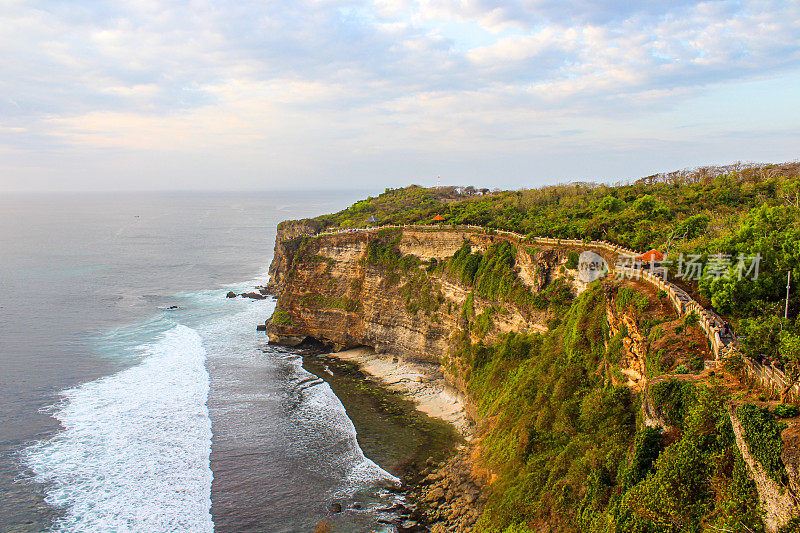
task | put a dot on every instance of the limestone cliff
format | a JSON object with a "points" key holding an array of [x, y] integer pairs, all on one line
{"points": [[387, 290], [329, 290], [290, 236]]}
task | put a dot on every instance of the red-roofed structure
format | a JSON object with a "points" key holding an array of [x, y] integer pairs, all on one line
{"points": [[438, 218], [651, 255]]}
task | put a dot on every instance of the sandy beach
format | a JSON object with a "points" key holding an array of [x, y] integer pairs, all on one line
{"points": [[424, 384]]}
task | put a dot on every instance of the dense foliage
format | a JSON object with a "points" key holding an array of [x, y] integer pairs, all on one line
{"points": [[672, 398], [721, 212], [564, 439], [762, 432], [491, 274]]}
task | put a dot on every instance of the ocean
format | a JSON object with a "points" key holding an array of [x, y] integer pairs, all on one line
{"points": [[118, 413]]}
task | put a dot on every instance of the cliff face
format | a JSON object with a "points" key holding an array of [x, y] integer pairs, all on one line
{"points": [[347, 289], [632, 362], [287, 241], [328, 290]]}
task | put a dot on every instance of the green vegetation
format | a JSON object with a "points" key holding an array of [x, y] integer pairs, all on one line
{"points": [[394, 206], [491, 274], [698, 483], [672, 398], [282, 318], [421, 293], [572, 260], [762, 432], [313, 299], [786, 411], [731, 210], [383, 250], [647, 446], [629, 298], [565, 443]]}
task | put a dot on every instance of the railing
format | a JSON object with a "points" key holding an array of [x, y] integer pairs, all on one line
{"points": [[771, 378]]}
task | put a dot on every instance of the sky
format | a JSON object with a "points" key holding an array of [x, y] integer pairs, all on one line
{"points": [[310, 94]]}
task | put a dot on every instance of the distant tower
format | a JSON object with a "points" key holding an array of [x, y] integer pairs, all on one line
{"points": [[438, 181]]}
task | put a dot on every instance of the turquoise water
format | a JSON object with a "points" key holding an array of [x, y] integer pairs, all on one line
{"points": [[118, 414]]}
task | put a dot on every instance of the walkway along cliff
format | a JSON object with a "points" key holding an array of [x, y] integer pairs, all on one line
{"points": [[433, 294]]}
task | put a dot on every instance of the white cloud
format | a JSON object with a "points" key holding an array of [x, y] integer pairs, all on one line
{"points": [[318, 79]]}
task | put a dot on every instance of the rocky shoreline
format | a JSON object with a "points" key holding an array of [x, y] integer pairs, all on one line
{"points": [[447, 497], [441, 496]]}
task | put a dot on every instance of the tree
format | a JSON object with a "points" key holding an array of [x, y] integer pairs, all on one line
{"points": [[762, 335]]}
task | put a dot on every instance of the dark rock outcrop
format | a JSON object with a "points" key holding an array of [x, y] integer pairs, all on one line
{"points": [[451, 497], [253, 295]]}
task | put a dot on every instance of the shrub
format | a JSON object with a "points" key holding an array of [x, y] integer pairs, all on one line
{"points": [[672, 398], [628, 298], [734, 364], [553, 322], [696, 363], [647, 446], [783, 410], [572, 260]]}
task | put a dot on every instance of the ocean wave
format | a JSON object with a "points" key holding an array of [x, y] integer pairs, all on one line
{"points": [[134, 454]]}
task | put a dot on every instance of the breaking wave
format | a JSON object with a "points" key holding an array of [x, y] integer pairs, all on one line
{"points": [[135, 448]]}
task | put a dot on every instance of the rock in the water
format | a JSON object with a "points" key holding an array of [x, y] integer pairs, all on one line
{"points": [[253, 295], [261, 327], [230, 294], [389, 508], [284, 340], [411, 526], [335, 507]]}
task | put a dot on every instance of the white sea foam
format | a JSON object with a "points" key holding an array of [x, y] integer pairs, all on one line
{"points": [[315, 406], [134, 452]]}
